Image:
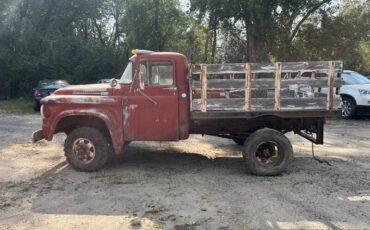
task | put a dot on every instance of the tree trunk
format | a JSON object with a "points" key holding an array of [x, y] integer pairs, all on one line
{"points": [[251, 43], [98, 29], [214, 45], [205, 53], [156, 31]]}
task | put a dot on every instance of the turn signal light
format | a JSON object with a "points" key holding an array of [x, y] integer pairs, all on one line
{"points": [[37, 92], [134, 52]]}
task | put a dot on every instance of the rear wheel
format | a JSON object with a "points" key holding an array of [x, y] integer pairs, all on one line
{"points": [[267, 152], [348, 108], [86, 149]]}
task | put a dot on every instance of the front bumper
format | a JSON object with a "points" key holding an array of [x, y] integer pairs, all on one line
{"points": [[37, 136]]}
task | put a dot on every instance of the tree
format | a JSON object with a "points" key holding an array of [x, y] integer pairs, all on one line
{"points": [[344, 36], [263, 28]]}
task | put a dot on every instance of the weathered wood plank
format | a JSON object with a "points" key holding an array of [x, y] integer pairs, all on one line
{"points": [[278, 86], [287, 104], [227, 68], [330, 86], [191, 69], [288, 67], [248, 87], [203, 77], [220, 84]]}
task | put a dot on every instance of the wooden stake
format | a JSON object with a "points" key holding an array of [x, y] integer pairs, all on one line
{"points": [[278, 70], [191, 68], [331, 77], [203, 78], [248, 87]]}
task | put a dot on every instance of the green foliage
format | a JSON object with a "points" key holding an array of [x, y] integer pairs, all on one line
{"points": [[345, 36], [82, 40], [19, 106], [85, 40]]}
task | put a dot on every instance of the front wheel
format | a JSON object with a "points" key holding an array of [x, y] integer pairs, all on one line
{"points": [[86, 149], [267, 152], [348, 108]]}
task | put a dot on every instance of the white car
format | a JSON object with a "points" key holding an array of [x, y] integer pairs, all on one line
{"points": [[355, 94]]}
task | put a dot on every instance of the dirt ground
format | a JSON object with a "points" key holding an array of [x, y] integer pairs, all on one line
{"points": [[195, 184]]}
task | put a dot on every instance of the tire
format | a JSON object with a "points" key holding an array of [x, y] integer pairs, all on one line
{"points": [[348, 108], [36, 106], [239, 141], [86, 149], [267, 152]]}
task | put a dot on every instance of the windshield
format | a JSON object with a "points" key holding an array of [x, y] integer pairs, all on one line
{"points": [[127, 75], [52, 83], [354, 78]]}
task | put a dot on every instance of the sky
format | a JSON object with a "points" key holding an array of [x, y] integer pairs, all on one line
{"points": [[184, 4]]}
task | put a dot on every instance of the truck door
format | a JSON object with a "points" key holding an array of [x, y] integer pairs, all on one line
{"points": [[151, 114]]}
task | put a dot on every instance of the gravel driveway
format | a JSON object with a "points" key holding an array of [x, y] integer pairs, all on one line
{"points": [[195, 184]]}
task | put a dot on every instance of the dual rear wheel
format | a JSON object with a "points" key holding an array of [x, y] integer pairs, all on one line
{"points": [[266, 152]]}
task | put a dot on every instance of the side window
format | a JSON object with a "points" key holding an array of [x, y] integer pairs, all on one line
{"points": [[157, 73], [143, 71]]}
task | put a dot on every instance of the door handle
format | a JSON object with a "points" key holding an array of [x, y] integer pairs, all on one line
{"points": [[171, 89]]}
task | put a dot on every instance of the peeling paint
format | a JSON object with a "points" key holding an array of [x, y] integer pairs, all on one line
{"points": [[79, 99], [126, 113]]}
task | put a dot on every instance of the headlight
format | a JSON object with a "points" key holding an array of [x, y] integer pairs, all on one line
{"points": [[45, 111], [364, 92], [42, 111]]}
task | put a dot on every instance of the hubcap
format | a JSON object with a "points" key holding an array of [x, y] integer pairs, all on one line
{"points": [[268, 154], [346, 108], [83, 150]]}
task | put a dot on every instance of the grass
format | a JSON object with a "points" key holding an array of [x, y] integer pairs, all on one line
{"points": [[18, 106]]}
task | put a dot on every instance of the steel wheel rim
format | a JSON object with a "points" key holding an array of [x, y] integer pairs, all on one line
{"points": [[83, 150], [268, 154], [346, 108]]}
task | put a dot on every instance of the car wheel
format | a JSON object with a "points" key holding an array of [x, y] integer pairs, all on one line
{"points": [[267, 152], [348, 108], [86, 149]]}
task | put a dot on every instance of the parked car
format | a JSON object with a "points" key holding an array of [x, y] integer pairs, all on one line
{"points": [[355, 94], [45, 88]]}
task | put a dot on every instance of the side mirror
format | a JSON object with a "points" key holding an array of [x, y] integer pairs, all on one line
{"points": [[113, 83], [141, 81]]}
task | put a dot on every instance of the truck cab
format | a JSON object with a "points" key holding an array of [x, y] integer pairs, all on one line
{"points": [[155, 98], [149, 103]]}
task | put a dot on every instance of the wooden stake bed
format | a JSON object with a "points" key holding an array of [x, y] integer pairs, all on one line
{"points": [[254, 87]]}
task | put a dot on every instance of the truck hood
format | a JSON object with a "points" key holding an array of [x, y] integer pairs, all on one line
{"points": [[93, 89]]}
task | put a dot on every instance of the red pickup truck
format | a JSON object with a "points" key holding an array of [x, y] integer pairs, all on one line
{"points": [[160, 97]]}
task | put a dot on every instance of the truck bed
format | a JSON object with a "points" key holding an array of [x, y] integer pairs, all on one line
{"points": [[290, 86], [234, 100]]}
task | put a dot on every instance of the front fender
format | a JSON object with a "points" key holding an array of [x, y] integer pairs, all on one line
{"points": [[111, 124]]}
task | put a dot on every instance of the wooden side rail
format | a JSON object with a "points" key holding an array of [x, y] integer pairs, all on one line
{"points": [[254, 86]]}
